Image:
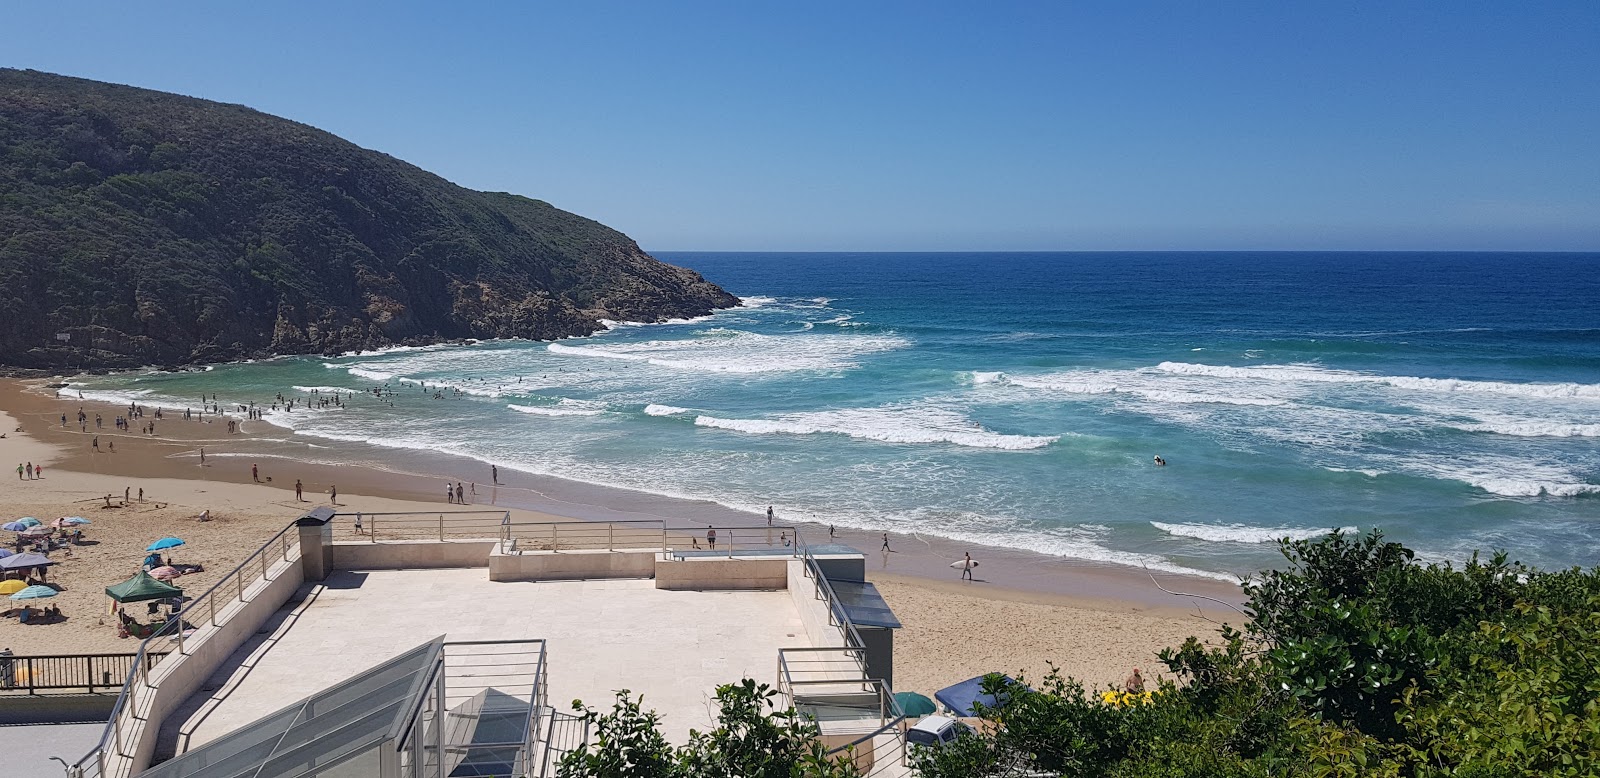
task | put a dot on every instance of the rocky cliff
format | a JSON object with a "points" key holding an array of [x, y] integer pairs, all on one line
{"points": [[146, 228]]}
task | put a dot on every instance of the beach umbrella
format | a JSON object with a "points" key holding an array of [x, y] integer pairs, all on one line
{"points": [[165, 573], [14, 526], [20, 561], [142, 587], [4, 553], [36, 532], [164, 543], [913, 704], [75, 520], [28, 521], [12, 587], [34, 593]]}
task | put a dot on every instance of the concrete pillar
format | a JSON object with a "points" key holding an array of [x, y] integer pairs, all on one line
{"points": [[316, 543], [880, 652]]}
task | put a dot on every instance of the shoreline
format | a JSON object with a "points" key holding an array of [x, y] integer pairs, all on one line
{"points": [[369, 470], [1079, 615]]}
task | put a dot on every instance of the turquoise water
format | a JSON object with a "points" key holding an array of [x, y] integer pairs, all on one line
{"points": [[1017, 400]]}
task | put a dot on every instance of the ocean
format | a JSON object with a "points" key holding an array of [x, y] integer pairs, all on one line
{"points": [[1019, 400]]}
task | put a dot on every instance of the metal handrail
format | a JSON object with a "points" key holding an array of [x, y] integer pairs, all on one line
{"points": [[492, 523], [34, 672], [113, 728]]}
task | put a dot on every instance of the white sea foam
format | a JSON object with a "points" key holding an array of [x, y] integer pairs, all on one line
{"points": [[361, 372], [1131, 383], [1308, 373], [545, 410], [991, 377], [1531, 428], [921, 424], [664, 410], [722, 350], [1366, 471], [757, 301], [1502, 475], [1240, 533], [326, 389]]}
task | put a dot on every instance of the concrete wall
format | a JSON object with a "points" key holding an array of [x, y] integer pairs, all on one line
{"points": [[180, 675], [813, 611], [708, 573], [56, 708], [411, 554], [570, 565]]}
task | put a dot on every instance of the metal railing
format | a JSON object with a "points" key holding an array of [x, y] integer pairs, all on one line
{"points": [[836, 614], [421, 525], [648, 535], [76, 672], [512, 667], [229, 588]]}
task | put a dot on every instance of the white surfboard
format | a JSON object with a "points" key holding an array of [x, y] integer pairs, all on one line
{"points": [[961, 563]]}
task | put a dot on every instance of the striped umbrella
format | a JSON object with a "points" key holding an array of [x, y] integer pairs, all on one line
{"points": [[34, 593]]}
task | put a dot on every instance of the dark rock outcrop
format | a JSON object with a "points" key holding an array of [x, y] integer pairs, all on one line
{"points": [[146, 228]]}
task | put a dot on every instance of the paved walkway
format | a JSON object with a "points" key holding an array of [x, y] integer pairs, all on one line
{"points": [[675, 647]]}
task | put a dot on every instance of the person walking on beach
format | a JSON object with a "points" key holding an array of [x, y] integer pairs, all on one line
{"points": [[359, 530], [966, 569], [19, 471], [449, 493], [831, 533], [461, 494], [494, 473], [769, 515], [96, 443], [297, 491], [127, 492], [255, 474], [141, 494], [30, 471], [886, 542], [333, 494]]}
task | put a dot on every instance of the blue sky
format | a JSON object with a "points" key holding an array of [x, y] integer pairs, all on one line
{"points": [[922, 125]]}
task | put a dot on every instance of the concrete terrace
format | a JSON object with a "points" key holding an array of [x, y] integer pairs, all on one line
{"points": [[674, 647]]}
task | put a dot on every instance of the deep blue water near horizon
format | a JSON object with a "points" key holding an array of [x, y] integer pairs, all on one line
{"points": [[1017, 400]]}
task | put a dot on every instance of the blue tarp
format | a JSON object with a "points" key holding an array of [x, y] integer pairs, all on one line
{"points": [[960, 697]]}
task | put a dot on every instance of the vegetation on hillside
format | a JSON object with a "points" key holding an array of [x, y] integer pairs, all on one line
{"points": [[152, 228]]}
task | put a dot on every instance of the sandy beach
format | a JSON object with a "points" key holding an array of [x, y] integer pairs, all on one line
{"points": [[1024, 610]]}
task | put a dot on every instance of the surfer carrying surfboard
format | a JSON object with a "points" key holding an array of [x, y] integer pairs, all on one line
{"points": [[966, 567]]}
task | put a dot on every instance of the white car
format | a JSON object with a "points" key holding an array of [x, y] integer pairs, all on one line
{"points": [[935, 731]]}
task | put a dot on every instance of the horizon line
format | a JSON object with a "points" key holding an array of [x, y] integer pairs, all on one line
{"points": [[1123, 251]]}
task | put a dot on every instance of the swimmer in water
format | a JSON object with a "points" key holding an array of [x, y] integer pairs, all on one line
{"points": [[1160, 462]]}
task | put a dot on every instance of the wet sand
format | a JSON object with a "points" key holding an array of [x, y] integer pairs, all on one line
{"points": [[1023, 609]]}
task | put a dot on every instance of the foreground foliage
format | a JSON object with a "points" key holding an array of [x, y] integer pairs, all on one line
{"points": [[1358, 661], [752, 739]]}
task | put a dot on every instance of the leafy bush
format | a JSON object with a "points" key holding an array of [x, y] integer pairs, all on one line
{"points": [[1358, 662], [753, 739]]}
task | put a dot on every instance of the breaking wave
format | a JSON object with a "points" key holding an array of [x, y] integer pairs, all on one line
{"points": [[888, 425], [1241, 533]]}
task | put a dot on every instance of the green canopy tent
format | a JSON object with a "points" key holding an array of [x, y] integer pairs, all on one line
{"points": [[142, 587]]}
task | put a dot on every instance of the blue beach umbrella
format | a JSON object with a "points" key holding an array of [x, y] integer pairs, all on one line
{"points": [[14, 526], [164, 543], [28, 521], [4, 553], [34, 593], [75, 520]]}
